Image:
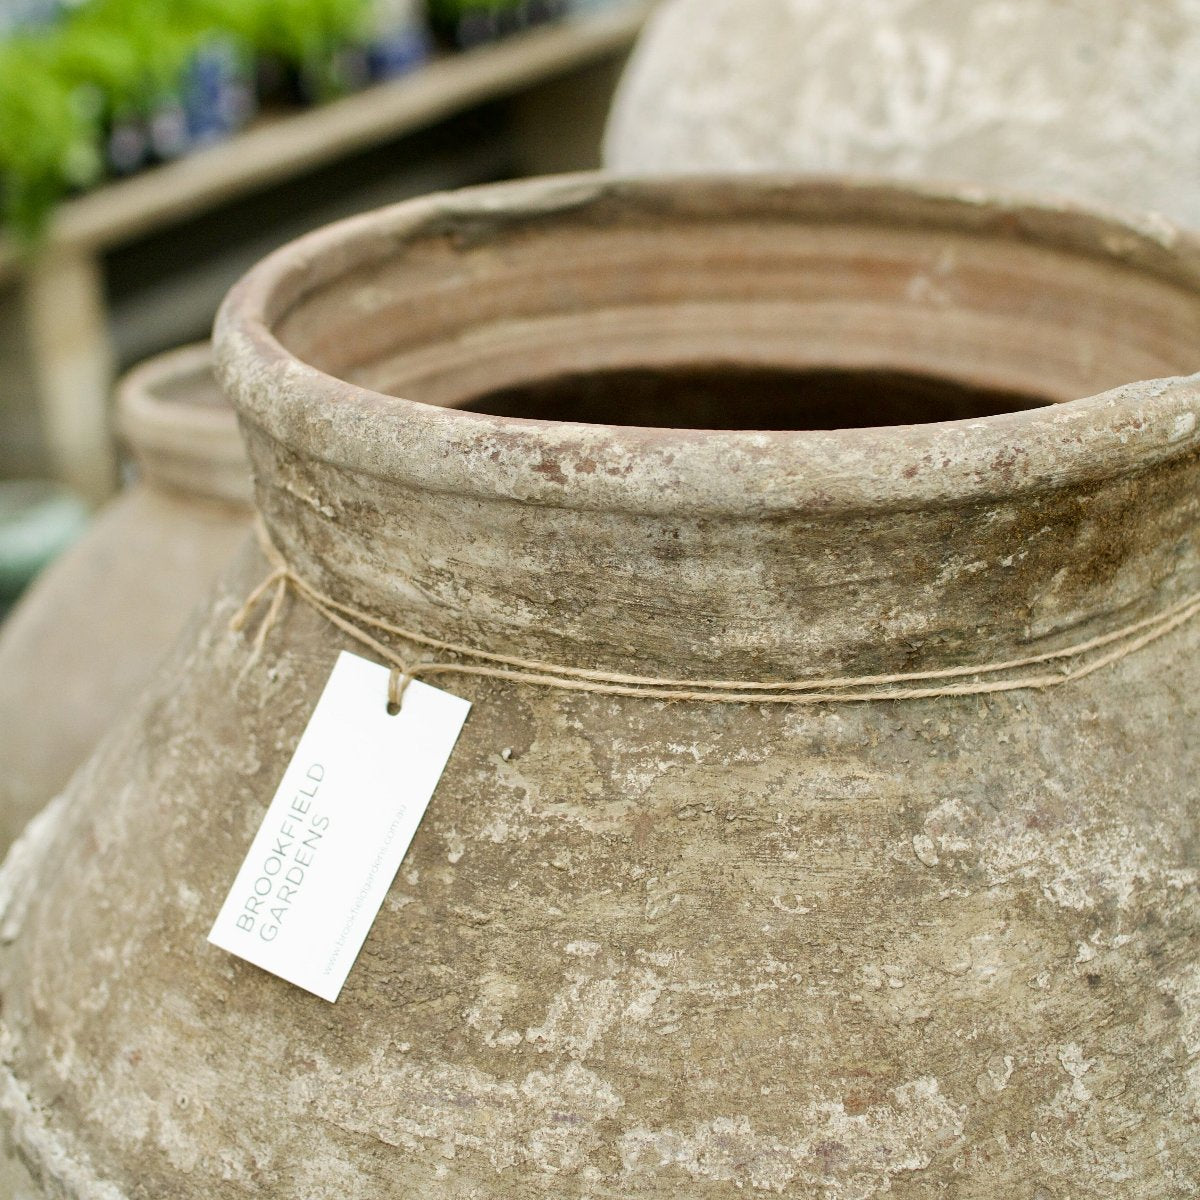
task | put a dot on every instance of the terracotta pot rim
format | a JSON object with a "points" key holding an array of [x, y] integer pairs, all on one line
{"points": [[195, 449], [1100, 436]]}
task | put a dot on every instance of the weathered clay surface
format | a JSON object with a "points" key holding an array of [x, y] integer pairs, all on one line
{"points": [[1093, 99], [920, 949], [90, 632]]}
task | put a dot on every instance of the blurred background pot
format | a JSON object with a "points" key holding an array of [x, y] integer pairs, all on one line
{"points": [[1077, 98], [642, 949], [86, 637]]}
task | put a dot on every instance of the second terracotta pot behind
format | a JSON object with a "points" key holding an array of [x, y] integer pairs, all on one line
{"points": [[1085, 98], [90, 631]]}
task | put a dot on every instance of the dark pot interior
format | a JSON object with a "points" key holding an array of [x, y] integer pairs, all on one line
{"points": [[728, 396]]}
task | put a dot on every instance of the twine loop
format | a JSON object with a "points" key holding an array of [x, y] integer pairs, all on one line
{"points": [[1052, 668], [397, 682]]}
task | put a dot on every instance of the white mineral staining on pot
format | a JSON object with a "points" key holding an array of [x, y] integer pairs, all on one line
{"points": [[302, 493], [15, 1180], [582, 949], [486, 1015], [17, 882], [521, 808], [995, 1076], [580, 1016], [941, 831], [1077, 862], [658, 958], [1183, 427], [661, 898], [549, 1120], [830, 1152], [1072, 1060], [872, 976], [70, 1168], [925, 849], [588, 1008]]}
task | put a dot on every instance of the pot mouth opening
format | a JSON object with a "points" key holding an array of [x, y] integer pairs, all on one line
{"points": [[832, 329], [732, 396]]}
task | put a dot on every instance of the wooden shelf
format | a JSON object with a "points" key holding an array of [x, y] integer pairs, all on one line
{"points": [[53, 304], [279, 148]]}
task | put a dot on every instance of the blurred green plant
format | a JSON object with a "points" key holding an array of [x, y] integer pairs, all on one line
{"points": [[301, 32], [49, 138], [63, 87]]}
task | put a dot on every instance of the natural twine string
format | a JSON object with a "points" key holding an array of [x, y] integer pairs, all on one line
{"points": [[915, 685]]}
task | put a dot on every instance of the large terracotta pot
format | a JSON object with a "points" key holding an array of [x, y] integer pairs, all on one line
{"points": [[88, 635], [914, 947], [1094, 99]]}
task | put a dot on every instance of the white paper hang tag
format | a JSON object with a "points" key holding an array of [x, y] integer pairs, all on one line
{"points": [[341, 821]]}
